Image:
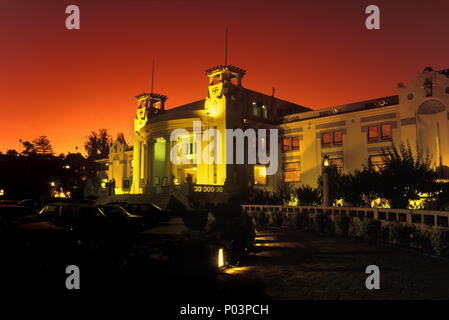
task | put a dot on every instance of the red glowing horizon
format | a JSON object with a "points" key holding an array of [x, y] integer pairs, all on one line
{"points": [[65, 83]]}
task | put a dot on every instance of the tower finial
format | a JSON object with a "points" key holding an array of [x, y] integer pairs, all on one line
{"points": [[152, 78], [226, 52]]}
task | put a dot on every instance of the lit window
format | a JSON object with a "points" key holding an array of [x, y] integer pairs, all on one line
{"points": [[295, 143], [386, 131], [377, 161], [326, 139], [373, 133], [291, 172], [260, 175], [292, 176], [256, 111], [338, 138], [338, 163], [264, 111], [286, 144]]}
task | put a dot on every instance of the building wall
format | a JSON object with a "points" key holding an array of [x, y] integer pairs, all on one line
{"points": [[414, 116], [408, 125]]}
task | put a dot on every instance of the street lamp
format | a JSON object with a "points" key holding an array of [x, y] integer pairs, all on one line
{"points": [[326, 181]]}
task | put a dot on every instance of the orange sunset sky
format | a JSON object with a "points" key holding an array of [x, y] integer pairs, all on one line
{"points": [[64, 83]]}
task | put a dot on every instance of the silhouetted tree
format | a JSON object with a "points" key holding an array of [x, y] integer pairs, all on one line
{"points": [[97, 144], [40, 145], [29, 148], [308, 196], [12, 153], [282, 191], [404, 177]]}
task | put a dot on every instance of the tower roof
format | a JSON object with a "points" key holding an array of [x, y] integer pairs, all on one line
{"points": [[230, 68], [151, 95]]}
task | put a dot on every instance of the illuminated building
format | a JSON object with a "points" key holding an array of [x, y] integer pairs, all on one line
{"points": [[349, 134], [353, 133]]}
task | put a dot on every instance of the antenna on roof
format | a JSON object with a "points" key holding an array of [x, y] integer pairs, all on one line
{"points": [[226, 52], [152, 78]]}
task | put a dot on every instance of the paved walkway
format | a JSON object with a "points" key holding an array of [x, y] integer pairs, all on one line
{"points": [[305, 265]]}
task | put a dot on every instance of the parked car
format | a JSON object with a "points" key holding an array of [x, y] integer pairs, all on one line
{"points": [[151, 213], [87, 218], [120, 216], [9, 214], [6, 201]]}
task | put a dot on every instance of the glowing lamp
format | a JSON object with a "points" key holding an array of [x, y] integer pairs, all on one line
{"points": [[220, 258], [326, 161], [52, 183]]}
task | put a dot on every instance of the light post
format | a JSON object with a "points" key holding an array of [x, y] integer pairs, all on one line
{"points": [[326, 181]]}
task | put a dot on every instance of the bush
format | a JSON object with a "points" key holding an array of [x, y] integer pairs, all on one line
{"points": [[261, 218], [355, 229], [324, 223], [371, 230], [236, 229], [385, 234], [401, 234], [195, 219], [342, 225], [277, 219], [440, 242], [421, 240], [302, 221]]}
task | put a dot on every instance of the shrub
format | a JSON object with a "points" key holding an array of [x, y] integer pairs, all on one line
{"points": [[277, 219], [440, 242], [302, 221], [261, 218], [324, 223], [289, 222], [371, 230], [401, 234], [421, 240], [355, 229], [385, 234], [195, 219], [342, 225]]}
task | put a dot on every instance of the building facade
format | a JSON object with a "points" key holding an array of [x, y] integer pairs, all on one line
{"points": [[349, 134]]}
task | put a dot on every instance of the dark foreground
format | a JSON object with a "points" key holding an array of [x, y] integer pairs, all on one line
{"points": [[284, 266], [305, 265]]}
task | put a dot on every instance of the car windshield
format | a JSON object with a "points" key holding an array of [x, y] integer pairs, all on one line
{"points": [[158, 208], [114, 211]]}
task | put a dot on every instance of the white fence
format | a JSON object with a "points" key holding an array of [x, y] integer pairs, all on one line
{"points": [[418, 217]]}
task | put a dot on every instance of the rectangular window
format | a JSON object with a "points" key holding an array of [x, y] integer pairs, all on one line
{"points": [[377, 161], [292, 176], [326, 139], [260, 175], [338, 138], [386, 131], [291, 172], [286, 144], [373, 133], [264, 112], [256, 111], [337, 162], [295, 143]]}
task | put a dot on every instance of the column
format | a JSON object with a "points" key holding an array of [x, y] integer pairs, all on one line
{"points": [[167, 170], [150, 164]]}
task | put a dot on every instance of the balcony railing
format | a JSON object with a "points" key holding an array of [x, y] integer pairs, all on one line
{"points": [[418, 217]]}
